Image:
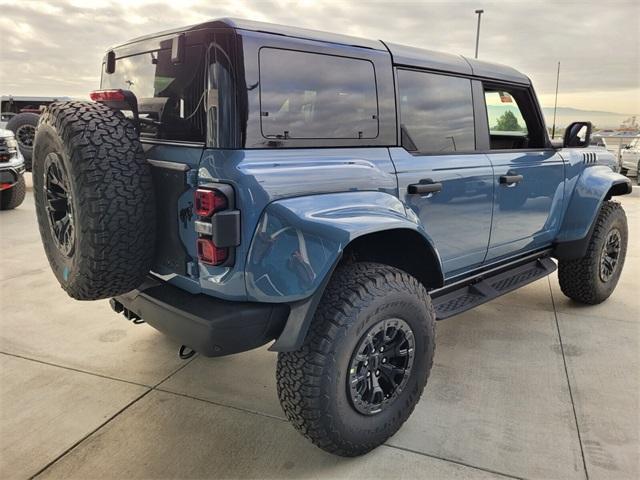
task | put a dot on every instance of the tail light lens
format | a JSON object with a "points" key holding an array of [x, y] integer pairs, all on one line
{"points": [[208, 202], [210, 254], [107, 96]]}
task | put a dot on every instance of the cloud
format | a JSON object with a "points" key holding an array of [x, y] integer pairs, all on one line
{"points": [[55, 48]]}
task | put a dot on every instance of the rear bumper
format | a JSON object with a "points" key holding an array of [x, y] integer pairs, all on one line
{"points": [[210, 326]]}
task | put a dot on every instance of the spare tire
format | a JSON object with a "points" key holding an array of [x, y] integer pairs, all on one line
{"points": [[94, 199], [23, 126]]}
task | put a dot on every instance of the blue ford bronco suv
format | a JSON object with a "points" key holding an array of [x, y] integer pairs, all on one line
{"points": [[236, 183]]}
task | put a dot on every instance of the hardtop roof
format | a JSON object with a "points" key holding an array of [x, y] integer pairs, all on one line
{"points": [[401, 55]]}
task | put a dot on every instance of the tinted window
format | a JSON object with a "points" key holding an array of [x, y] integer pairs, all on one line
{"points": [[309, 95], [170, 97], [503, 113], [436, 112], [513, 123]]}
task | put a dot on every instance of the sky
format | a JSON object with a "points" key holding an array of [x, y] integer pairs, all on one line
{"points": [[55, 47]]}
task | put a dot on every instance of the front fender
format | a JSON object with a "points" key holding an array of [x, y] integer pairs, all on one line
{"points": [[591, 189], [299, 240]]}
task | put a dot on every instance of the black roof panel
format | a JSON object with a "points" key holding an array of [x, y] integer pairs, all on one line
{"points": [[401, 54]]}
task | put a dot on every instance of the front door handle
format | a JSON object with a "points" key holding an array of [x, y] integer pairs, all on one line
{"points": [[422, 188], [510, 179]]}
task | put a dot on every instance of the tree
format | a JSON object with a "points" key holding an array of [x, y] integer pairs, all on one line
{"points": [[507, 123]]}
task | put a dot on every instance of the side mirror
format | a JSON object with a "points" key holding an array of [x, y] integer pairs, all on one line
{"points": [[577, 135]]}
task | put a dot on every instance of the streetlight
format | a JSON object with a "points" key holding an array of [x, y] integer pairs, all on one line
{"points": [[479, 12]]}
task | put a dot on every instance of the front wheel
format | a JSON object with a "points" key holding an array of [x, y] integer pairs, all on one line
{"points": [[364, 363], [592, 278]]}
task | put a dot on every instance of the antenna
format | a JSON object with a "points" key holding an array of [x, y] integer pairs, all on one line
{"points": [[555, 105]]}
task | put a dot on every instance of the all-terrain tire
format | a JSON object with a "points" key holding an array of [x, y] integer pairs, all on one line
{"points": [[312, 381], [14, 196], [581, 279], [23, 125], [109, 198]]}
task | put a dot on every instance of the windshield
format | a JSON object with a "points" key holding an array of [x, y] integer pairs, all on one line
{"points": [[170, 96]]}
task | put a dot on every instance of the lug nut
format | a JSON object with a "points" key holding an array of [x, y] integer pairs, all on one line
{"points": [[377, 373], [384, 360]]}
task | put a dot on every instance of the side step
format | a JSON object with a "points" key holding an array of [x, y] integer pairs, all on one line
{"points": [[451, 301]]}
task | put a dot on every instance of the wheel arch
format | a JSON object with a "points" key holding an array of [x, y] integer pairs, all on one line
{"points": [[403, 248], [595, 186], [299, 241]]}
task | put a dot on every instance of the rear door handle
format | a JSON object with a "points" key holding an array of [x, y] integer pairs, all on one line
{"points": [[510, 179], [421, 188]]}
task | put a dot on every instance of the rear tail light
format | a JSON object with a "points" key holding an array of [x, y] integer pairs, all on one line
{"points": [[208, 202], [210, 254], [107, 96]]}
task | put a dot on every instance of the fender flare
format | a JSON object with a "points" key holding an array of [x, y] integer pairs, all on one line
{"points": [[299, 242], [594, 186]]}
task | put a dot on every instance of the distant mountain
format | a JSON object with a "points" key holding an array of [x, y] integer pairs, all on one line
{"points": [[566, 115], [601, 120]]}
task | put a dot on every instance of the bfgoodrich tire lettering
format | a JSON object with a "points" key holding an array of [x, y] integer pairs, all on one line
{"points": [[583, 279], [106, 195], [313, 381]]}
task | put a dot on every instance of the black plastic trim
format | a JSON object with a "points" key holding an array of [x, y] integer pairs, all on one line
{"points": [[211, 326], [454, 300], [299, 320]]}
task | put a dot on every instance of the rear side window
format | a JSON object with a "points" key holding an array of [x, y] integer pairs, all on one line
{"points": [[436, 112], [310, 95]]}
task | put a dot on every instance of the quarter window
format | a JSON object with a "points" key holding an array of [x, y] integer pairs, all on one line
{"points": [[310, 95], [436, 112]]}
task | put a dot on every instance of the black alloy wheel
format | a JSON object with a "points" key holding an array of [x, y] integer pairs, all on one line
{"points": [[25, 135], [59, 204], [609, 255], [381, 365]]}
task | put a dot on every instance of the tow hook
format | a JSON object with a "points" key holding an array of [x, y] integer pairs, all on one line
{"points": [[117, 307], [186, 352]]}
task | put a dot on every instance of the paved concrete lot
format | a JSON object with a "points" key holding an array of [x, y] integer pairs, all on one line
{"points": [[530, 385]]}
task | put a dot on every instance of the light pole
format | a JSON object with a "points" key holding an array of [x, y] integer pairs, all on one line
{"points": [[479, 12]]}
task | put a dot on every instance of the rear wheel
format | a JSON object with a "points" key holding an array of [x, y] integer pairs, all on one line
{"points": [[23, 125], [592, 278], [13, 197], [364, 363], [94, 199]]}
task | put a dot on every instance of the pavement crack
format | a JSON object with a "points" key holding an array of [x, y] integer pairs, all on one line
{"points": [[456, 462], [103, 424], [566, 372], [65, 367]]}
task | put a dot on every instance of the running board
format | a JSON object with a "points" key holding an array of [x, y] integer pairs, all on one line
{"points": [[448, 302]]}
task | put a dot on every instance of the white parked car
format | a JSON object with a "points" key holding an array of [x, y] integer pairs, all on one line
{"points": [[630, 159]]}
